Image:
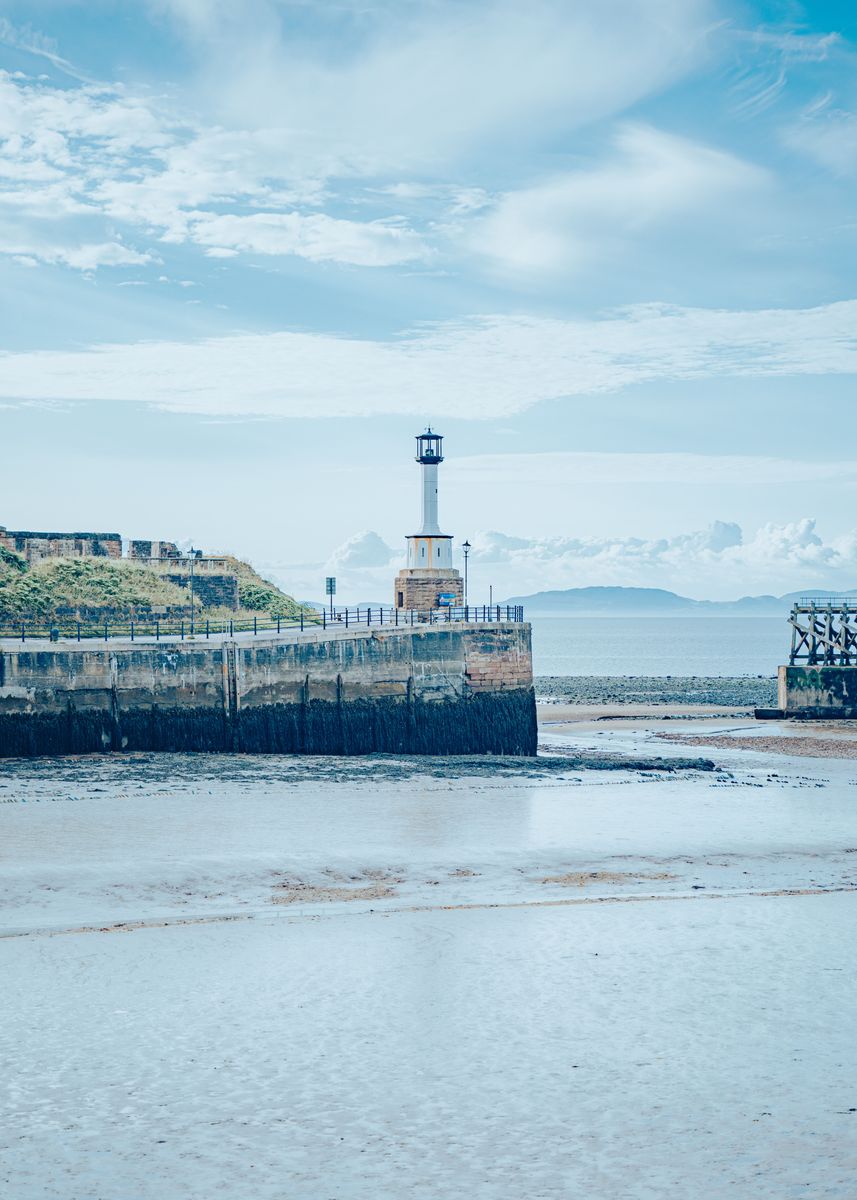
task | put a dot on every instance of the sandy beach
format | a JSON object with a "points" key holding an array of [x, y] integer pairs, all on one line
{"points": [[344, 979]]}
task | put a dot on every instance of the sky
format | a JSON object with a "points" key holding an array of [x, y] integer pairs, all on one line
{"points": [[248, 251]]}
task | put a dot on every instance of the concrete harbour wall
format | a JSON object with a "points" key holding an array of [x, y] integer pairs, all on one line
{"points": [[450, 689], [817, 691]]}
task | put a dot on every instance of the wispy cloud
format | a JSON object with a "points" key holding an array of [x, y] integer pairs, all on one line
{"points": [[482, 368], [678, 469], [88, 256], [826, 134], [295, 150], [315, 236], [32, 41], [649, 179], [766, 58], [417, 86]]}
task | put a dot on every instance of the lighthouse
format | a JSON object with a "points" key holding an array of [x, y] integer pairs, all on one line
{"points": [[429, 580]]}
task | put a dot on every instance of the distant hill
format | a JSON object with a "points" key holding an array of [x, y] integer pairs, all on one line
{"points": [[629, 601]]}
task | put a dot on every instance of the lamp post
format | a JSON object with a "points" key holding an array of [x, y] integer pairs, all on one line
{"points": [[193, 553], [466, 549]]}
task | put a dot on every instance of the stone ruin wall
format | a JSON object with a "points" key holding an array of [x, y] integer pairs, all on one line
{"points": [[215, 586], [210, 590], [140, 548], [36, 546]]}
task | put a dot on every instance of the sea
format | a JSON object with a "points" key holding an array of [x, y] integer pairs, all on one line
{"points": [[642, 645]]}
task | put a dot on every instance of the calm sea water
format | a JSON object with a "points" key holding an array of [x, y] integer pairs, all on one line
{"points": [[659, 645]]}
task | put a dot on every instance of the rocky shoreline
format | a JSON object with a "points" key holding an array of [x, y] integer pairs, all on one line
{"points": [[736, 691]]}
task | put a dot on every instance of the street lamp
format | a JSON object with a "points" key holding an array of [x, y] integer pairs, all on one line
{"points": [[466, 549], [194, 555]]}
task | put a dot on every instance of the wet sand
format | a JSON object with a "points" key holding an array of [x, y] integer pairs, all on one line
{"points": [[558, 713], [347, 979], [713, 729]]}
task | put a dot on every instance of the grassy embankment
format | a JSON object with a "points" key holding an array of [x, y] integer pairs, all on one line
{"points": [[120, 586]]}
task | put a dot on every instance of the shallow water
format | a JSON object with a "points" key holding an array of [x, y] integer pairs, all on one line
{"points": [[602, 984], [643, 1051]]}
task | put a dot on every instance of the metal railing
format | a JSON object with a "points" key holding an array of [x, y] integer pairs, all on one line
{"points": [[182, 629], [817, 602]]}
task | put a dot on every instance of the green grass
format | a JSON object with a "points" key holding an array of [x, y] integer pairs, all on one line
{"points": [[83, 583], [259, 595], [11, 560], [121, 586]]}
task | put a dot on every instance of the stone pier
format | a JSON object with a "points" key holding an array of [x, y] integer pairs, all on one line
{"points": [[455, 688]]}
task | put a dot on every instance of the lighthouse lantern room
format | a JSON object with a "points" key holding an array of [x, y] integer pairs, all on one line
{"points": [[429, 581]]}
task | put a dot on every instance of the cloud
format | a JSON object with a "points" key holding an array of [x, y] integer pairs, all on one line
{"points": [[793, 47], [649, 179], [418, 86], [296, 120], [86, 257], [56, 144], [88, 157], [626, 468], [366, 549], [718, 562], [307, 136], [482, 368], [763, 60], [33, 42], [317, 237], [828, 135]]}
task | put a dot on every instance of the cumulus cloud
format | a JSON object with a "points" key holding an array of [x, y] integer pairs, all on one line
{"points": [[98, 155], [482, 368], [715, 563], [365, 549], [719, 562], [617, 553]]}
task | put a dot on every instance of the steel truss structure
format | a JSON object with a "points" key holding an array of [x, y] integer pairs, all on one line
{"points": [[824, 631]]}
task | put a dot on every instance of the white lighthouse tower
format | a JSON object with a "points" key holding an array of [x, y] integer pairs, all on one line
{"points": [[429, 580]]}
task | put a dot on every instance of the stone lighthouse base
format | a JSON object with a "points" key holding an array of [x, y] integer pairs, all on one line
{"points": [[420, 588]]}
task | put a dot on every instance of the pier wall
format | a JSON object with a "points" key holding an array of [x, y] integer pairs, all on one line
{"points": [[818, 691], [451, 689]]}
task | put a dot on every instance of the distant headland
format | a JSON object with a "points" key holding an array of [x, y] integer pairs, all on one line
{"points": [[639, 601]]}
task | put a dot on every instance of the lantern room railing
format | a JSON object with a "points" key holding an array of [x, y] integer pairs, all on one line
{"points": [[429, 447]]}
